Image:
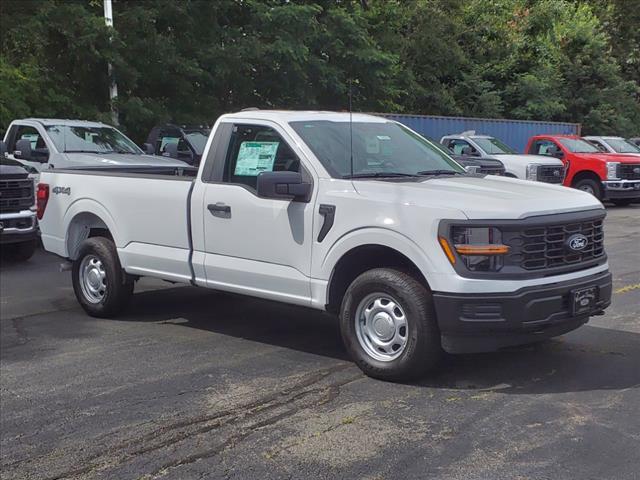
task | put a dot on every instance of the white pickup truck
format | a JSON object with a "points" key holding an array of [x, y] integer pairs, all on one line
{"points": [[538, 168], [43, 143], [364, 218]]}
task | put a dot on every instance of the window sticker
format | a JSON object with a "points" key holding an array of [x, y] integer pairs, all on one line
{"points": [[372, 145], [255, 157]]}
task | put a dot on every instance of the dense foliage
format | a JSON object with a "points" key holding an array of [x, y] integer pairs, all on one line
{"points": [[188, 61]]}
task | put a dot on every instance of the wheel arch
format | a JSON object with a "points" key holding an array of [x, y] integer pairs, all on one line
{"points": [[360, 259], [87, 219]]}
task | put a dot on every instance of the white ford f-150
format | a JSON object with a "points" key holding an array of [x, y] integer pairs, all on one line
{"points": [[517, 165], [364, 218]]}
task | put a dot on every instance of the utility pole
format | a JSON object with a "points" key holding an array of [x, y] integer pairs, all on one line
{"points": [[113, 86]]}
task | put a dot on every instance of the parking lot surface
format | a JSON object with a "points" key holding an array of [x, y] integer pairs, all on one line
{"points": [[195, 384]]}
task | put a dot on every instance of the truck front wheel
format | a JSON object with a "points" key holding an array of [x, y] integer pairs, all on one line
{"points": [[389, 326], [590, 186], [102, 288]]}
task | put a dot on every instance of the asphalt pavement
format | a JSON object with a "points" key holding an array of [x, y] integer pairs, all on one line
{"points": [[195, 384]]}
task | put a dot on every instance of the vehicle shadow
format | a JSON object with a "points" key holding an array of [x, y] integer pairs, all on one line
{"points": [[590, 358]]}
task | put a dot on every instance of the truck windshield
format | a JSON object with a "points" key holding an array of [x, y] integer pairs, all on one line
{"points": [[493, 146], [379, 149], [620, 145], [577, 145], [70, 139]]}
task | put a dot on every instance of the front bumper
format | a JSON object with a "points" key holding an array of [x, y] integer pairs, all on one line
{"points": [[18, 227], [486, 322], [619, 189]]}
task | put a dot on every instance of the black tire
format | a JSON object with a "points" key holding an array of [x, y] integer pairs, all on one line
{"points": [[119, 285], [589, 185], [23, 251], [621, 202], [422, 349]]}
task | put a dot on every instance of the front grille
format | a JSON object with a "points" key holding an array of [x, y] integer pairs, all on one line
{"points": [[492, 171], [24, 223], [630, 171], [545, 247], [550, 173], [16, 195]]}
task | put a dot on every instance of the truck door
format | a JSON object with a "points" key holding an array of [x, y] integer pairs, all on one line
{"points": [[255, 245]]}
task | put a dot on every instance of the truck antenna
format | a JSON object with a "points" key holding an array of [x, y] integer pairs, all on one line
{"points": [[350, 128]]}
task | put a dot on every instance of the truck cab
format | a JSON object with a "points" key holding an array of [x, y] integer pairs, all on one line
{"points": [[607, 176], [183, 142], [44, 143], [525, 167]]}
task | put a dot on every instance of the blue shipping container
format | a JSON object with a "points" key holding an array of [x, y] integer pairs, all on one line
{"points": [[515, 133]]}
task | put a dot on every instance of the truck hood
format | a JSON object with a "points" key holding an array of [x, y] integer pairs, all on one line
{"points": [[124, 159], [526, 159], [480, 198]]}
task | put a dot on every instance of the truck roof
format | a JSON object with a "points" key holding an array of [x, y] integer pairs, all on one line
{"points": [[62, 121], [304, 115]]}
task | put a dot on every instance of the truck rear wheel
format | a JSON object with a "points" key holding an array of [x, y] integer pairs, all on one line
{"points": [[389, 326], [102, 288]]}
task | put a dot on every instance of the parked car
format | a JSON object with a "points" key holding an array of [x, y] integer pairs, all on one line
{"points": [[635, 140], [184, 143], [43, 143], [606, 176], [526, 167], [18, 226], [614, 145], [412, 252]]}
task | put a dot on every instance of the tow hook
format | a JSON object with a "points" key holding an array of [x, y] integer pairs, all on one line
{"points": [[65, 266]]}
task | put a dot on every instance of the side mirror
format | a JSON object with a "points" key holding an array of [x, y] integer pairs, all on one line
{"points": [[555, 152], [472, 169], [470, 152], [283, 185], [170, 150], [3, 149], [148, 149], [23, 150]]}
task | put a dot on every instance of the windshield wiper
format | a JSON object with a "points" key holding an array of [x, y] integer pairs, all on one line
{"points": [[87, 151], [379, 175], [439, 172]]}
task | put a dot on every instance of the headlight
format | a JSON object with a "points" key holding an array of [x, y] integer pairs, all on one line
{"points": [[612, 170], [480, 248], [532, 171]]}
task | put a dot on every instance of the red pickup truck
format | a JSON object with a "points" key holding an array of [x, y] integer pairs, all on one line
{"points": [[608, 176]]}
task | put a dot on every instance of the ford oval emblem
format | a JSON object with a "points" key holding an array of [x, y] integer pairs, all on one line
{"points": [[577, 242], [636, 170]]}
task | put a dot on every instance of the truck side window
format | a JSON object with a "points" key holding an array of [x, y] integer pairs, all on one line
{"points": [[541, 147], [254, 149], [39, 151], [456, 146]]}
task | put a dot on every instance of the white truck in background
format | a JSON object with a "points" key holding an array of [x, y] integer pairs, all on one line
{"points": [[526, 167], [361, 217], [43, 143]]}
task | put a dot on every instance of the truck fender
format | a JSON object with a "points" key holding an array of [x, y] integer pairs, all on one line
{"points": [[375, 236], [81, 215]]}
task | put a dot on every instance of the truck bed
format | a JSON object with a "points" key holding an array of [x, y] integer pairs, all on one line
{"points": [[152, 232]]}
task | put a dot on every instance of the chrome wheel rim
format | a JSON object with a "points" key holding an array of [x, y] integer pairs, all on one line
{"points": [[587, 188], [381, 327], [93, 279]]}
